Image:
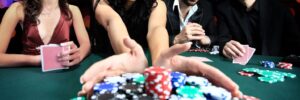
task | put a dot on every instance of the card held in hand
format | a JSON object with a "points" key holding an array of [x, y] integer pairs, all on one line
{"points": [[49, 57]]}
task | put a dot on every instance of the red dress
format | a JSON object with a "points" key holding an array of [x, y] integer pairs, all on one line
{"points": [[31, 39]]}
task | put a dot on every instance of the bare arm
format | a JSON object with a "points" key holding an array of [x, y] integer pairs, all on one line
{"points": [[114, 25], [81, 33], [158, 38], [12, 16]]}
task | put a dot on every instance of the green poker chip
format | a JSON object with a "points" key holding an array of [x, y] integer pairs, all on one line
{"points": [[289, 75], [78, 98], [140, 79], [189, 92], [253, 70], [267, 79], [268, 73]]}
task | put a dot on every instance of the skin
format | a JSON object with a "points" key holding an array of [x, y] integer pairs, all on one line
{"points": [[234, 49], [192, 31], [131, 57], [169, 58], [15, 14], [157, 35]]}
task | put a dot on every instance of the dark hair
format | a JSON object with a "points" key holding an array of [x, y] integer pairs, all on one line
{"points": [[34, 7], [137, 13]]}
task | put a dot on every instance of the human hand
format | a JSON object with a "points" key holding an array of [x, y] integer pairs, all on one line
{"points": [[70, 56], [171, 59], [192, 31], [134, 61], [233, 49]]}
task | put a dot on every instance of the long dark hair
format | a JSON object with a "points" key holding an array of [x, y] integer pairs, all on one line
{"points": [[33, 8], [137, 13]]}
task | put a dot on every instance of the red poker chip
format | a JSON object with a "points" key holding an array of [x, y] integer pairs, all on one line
{"points": [[158, 82], [246, 97], [243, 73], [285, 65]]}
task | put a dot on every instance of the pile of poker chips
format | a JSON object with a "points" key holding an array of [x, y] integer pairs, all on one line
{"points": [[199, 50], [268, 64], [214, 50], [285, 65], [134, 87], [270, 76]]}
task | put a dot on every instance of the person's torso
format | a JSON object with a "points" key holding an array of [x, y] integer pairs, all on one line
{"points": [[32, 40]]}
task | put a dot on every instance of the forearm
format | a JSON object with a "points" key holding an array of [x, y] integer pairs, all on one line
{"points": [[158, 42], [84, 50], [117, 32], [14, 60]]}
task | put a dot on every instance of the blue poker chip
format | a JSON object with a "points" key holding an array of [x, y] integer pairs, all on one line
{"points": [[268, 64], [178, 79], [102, 88]]}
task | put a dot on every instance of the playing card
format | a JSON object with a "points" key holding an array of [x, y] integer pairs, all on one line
{"points": [[250, 53], [49, 57], [203, 59], [242, 60]]}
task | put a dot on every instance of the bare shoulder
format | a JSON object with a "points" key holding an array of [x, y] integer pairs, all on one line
{"points": [[18, 9]]}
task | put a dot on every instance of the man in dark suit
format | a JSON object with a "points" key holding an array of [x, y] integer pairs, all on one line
{"points": [[190, 20], [263, 24]]}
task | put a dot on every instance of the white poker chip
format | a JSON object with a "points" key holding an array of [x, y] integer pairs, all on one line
{"points": [[198, 81], [131, 76], [115, 79], [216, 93]]}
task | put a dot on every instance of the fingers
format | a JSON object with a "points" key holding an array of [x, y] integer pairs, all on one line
{"points": [[176, 49], [214, 75], [96, 68], [87, 88], [133, 46], [233, 49]]}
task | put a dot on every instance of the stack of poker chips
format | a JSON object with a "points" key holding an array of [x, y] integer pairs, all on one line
{"points": [[285, 65], [268, 64], [133, 86], [158, 82], [270, 76]]}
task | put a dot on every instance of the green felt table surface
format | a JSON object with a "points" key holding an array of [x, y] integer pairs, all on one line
{"points": [[30, 83]]}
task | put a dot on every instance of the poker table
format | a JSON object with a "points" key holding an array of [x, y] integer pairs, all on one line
{"points": [[30, 83]]}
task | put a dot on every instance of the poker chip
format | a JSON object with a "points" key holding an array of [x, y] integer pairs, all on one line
{"points": [[285, 65], [78, 98], [253, 70], [267, 79], [268, 64], [199, 50], [189, 92], [197, 81], [105, 96], [243, 73], [215, 50], [115, 80], [102, 88], [144, 97], [139, 79], [178, 79], [216, 93], [158, 82], [131, 88]]}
